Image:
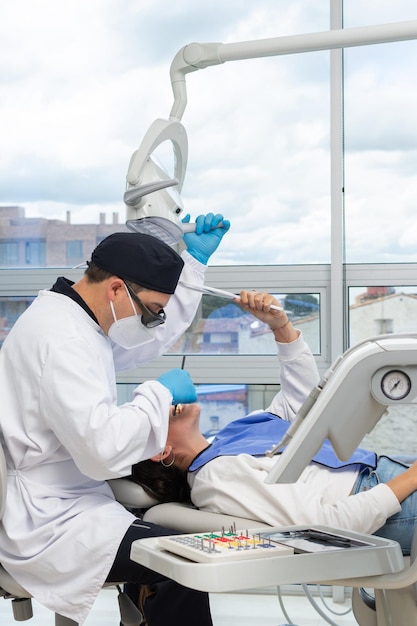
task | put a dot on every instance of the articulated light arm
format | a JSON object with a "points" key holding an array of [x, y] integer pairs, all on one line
{"points": [[197, 56], [146, 195]]}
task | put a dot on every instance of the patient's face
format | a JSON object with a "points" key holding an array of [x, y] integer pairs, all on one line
{"points": [[185, 424], [188, 412]]}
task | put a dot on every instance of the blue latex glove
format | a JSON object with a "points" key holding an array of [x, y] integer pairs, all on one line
{"points": [[179, 383], [207, 237]]}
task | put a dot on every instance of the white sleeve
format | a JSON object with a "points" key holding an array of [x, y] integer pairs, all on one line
{"points": [[77, 405], [299, 374]]}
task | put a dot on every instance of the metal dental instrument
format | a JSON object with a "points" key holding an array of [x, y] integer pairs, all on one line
{"points": [[212, 291]]}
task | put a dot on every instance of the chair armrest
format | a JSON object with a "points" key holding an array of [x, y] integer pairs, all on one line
{"points": [[188, 519], [130, 494]]}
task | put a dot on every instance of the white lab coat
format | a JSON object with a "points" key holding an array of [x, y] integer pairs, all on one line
{"points": [[64, 436]]}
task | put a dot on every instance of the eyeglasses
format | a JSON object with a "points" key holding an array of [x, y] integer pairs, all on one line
{"points": [[149, 319]]}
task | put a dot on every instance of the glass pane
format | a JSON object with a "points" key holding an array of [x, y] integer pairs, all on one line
{"points": [[380, 139], [380, 310], [220, 404], [360, 13], [381, 148], [224, 328], [395, 433], [10, 309], [260, 154]]}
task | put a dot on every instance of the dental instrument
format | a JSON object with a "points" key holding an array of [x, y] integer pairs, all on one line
{"points": [[213, 291]]}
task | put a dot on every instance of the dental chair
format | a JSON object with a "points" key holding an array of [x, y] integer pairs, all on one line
{"points": [[346, 405]]}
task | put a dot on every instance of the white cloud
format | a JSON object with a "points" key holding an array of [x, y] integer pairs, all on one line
{"points": [[382, 207], [81, 82]]}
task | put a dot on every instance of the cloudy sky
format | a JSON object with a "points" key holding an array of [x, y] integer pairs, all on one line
{"points": [[82, 81]]}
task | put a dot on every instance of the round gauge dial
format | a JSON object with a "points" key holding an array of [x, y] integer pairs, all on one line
{"points": [[395, 385]]}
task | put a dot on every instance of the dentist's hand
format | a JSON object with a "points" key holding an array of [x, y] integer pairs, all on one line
{"points": [[179, 383], [207, 236]]}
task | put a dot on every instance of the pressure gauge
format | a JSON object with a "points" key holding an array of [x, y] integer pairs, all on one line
{"points": [[395, 385]]}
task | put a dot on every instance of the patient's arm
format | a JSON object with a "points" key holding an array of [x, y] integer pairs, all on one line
{"points": [[404, 484], [299, 373]]}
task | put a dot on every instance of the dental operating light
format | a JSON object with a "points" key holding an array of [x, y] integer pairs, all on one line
{"points": [[152, 197], [153, 201]]}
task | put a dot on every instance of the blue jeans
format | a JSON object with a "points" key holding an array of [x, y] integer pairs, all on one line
{"points": [[401, 526]]}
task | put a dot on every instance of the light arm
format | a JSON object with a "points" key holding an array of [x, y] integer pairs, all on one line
{"points": [[195, 56]]}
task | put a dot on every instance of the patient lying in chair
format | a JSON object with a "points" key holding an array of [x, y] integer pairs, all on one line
{"points": [[367, 493]]}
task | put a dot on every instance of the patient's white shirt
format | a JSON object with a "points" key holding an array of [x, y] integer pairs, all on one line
{"points": [[235, 485]]}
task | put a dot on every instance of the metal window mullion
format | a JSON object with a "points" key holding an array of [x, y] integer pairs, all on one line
{"points": [[337, 234]]}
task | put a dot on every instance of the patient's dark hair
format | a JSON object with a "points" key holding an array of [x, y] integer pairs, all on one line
{"points": [[166, 484]]}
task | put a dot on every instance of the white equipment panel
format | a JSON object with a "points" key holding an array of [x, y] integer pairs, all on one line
{"points": [[351, 555]]}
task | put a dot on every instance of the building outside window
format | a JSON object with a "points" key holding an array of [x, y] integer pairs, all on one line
{"points": [[74, 251], [35, 253], [9, 253]]}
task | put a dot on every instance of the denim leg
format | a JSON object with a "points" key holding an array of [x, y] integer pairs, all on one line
{"points": [[401, 526]]}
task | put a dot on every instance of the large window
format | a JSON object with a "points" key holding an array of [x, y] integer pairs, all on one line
{"points": [[381, 144]]}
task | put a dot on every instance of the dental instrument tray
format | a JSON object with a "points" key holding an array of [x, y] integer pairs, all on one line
{"points": [[214, 547], [228, 561]]}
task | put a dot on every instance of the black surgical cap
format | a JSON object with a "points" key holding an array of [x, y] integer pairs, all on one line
{"points": [[141, 259]]}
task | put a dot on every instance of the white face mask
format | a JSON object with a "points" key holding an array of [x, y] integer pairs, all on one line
{"points": [[129, 332]]}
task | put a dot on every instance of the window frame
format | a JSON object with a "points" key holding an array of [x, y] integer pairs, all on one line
{"points": [[248, 369]]}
